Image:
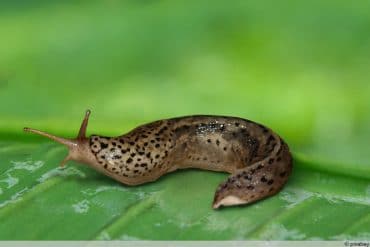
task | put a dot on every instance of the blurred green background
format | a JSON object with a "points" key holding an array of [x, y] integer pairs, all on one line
{"points": [[301, 68]]}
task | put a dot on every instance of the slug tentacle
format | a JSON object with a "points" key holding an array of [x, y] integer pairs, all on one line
{"points": [[65, 141], [258, 159], [75, 146], [83, 128]]}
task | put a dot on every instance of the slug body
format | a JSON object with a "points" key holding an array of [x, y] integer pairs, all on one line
{"points": [[258, 160]]}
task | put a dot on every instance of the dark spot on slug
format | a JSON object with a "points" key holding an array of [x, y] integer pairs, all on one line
{"points": [[250, 187], [270, 139], [129, 160], [271, 181], [103, 145], [282, 141], [263, 179]]}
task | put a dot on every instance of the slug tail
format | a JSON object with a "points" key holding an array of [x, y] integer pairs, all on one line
{"points": [[255, 182]]}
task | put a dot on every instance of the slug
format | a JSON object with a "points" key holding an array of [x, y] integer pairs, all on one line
{"points": [[258, 160]]}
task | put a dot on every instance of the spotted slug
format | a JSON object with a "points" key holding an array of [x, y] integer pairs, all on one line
{"points": [[258, 160]]}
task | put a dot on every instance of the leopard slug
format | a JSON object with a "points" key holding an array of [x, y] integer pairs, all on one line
{"points": [[258, 160]]}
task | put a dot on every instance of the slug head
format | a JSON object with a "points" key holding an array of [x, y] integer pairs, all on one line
{"points": [[78, 147]]}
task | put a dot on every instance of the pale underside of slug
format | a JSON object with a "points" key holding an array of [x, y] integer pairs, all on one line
{"points": [[258, 160]]}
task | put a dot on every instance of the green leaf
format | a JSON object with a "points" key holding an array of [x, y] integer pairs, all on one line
{"points": [[41, 201]]}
